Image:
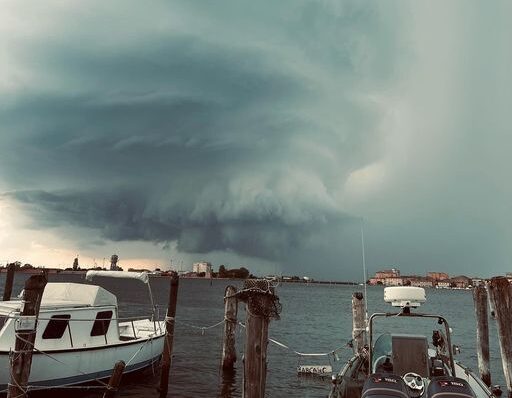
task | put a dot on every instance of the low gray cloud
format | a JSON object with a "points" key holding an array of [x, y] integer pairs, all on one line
{"points": [[263, 130]]}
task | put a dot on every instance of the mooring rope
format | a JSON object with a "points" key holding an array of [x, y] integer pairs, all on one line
{"points": [[333, 353], [202, 328]]}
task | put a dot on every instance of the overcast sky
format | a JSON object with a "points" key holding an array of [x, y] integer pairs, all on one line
{"points": [[258, 134]]}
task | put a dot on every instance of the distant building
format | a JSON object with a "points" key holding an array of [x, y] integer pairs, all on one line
{"points": [[393, 281], [437, 276], [461, 281], [381, 277], [391, 273], [444, 284], [203, 266], [422, 282]]}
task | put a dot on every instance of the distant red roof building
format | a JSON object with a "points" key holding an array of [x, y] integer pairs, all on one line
{"points": [[437, 276]]}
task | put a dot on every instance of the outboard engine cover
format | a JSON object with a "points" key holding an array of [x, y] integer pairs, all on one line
{"points": [[449, 387], [380, 385]]}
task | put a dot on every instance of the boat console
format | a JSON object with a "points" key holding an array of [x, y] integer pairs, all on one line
{"points": [[401, 365]]}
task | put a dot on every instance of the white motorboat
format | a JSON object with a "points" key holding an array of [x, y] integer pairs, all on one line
{"points": [[79, 335], [406, 365]]}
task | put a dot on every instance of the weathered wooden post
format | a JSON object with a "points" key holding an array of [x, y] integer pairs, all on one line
{"points": [[261, 305], [169, 335], [230, 321], [115, 380], [26, 327], [501, 296], [358, 322], [482, 332], [491, 304], [9, 279]]}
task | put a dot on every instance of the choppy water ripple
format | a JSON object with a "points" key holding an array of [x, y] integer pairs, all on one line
{"points": [[315, 318]]}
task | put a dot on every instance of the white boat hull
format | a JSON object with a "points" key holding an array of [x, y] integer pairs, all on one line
{"points": [[76, 366]]}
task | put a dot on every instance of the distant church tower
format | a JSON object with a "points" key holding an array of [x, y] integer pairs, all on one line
{"points": [[113, 262]]}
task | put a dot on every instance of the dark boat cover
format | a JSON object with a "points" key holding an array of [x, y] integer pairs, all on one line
{"points": [[383, 385]]}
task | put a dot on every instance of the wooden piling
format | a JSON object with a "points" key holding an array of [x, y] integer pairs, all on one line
{"points": [[115, 380], [482, 333], [358, 322], [230, 322], [260, 305], [491, 304], [501, 295], [26, 327], [9, 279], [169, 336]]}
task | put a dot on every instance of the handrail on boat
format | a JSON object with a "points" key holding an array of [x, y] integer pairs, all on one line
{"points": [[141, 276], [133, 328]]}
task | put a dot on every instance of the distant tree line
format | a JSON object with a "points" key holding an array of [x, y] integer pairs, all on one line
{"points": [[239, 273], [19, 265]]}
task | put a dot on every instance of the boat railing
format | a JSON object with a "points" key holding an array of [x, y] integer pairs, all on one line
{"points": [[119, 319], [157, 324], [133, 328]]}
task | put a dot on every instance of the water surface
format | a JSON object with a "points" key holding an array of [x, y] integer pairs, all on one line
{"points": [[315, 318]]}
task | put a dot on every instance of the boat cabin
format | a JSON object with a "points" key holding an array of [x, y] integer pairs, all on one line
{"points": [[72, 315]]}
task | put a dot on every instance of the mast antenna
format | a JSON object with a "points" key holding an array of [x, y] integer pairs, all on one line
{"points": [[365, 276]]}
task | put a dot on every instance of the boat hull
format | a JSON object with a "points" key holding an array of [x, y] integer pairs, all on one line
{"points": [[77, 366]]}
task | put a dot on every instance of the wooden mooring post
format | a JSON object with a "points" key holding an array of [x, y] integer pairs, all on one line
{"points": [[261, 305], [230, 322], [482, 332], [9, 280], [500, 292], [169, 336], [25, 327], [358, 322], [115, 380]]}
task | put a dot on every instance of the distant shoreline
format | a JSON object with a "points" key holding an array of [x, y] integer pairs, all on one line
{"points": [[58, 271]]}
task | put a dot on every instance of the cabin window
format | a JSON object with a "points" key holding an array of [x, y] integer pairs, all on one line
{"points": [[56, 326], [101, 323], [3, 319]]}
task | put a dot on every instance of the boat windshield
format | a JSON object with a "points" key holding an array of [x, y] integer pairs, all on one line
{"points": [[382, 349]]}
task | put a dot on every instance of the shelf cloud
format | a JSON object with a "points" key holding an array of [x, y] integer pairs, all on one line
{"points": [[262, 130]]}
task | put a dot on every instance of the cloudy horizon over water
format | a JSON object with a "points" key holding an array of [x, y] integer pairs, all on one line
{"points": [[258, 134]]}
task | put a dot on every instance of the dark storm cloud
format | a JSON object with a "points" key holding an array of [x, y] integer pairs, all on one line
{"points": [[228, 131], [125, 216]]}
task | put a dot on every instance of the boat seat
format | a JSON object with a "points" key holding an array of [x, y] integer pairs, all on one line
{"points": [[380, 385], [449, 387]]}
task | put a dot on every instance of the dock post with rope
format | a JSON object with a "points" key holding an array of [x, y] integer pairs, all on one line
{"points": [[262, 305], [26, 327], [169, 335], [230, 322]]}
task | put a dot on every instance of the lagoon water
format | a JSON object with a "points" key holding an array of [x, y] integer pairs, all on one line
{"points": [[314, 318]]}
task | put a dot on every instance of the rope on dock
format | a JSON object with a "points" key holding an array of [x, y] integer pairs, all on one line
{"points": [[203, 329], [332, 353]]}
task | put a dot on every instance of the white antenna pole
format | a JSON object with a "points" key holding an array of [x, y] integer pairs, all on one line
{"points": [[365, 276]]}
